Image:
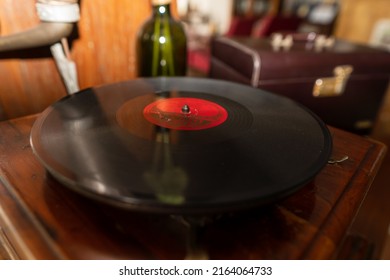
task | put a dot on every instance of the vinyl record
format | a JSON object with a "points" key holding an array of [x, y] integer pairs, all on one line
{"points": [[180, 145]]}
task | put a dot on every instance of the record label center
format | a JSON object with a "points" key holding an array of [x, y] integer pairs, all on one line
{"points": [[183, 113]]}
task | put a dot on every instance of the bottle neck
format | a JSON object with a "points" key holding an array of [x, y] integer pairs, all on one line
{"points": [[162, 10]]}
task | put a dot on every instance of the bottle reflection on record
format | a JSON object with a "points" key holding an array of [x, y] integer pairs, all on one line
{"points": [[168, 181]]}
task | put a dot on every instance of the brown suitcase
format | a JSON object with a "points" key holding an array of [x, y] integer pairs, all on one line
{"points": [[343, 83]]}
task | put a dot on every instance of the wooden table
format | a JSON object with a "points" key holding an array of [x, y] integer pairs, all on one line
{"points": [[39, 219]]}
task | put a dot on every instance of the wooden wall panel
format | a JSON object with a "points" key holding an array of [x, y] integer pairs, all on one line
{"points": [[358, 17], [105, 50]]}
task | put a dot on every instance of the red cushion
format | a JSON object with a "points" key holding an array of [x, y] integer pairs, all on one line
{"points": [[241, 26], [271, 23]]}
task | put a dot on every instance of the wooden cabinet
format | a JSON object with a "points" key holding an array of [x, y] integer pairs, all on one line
{"points": [[40, 219]]}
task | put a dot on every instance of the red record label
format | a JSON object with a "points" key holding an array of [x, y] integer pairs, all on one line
{"points": [[185, 113]]}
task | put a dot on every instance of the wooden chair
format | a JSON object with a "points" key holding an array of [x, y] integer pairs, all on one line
{"points": [[102, 45]]}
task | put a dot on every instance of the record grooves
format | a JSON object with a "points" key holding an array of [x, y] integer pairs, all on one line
{"points": [[180, 145]]}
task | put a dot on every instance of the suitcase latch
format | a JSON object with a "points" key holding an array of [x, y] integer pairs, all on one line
{"points": [[333, 86]]}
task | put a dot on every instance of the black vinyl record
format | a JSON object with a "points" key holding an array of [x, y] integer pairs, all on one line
{"points": [[180, 145]]}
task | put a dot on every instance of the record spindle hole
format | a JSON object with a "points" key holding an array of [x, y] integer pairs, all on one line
{"points": [[186, 109]]}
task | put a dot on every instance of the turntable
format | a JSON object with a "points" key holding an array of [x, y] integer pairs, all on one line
{"points": [[181, 145], [110, 167]]}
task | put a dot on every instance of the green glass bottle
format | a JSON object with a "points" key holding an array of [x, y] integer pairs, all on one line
{"points": [[161, 44]]}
